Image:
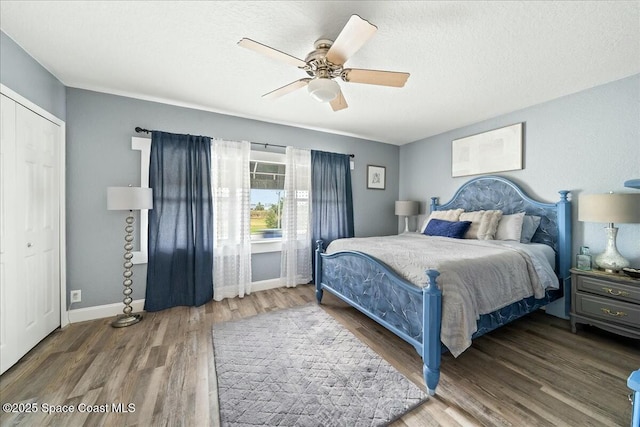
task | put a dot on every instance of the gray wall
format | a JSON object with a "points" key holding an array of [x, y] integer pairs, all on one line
{"points": [[588, 142], [99, 131], [22, 74]]}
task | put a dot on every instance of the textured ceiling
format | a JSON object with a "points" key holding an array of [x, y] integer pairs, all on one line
{"points": [[469, 61]]}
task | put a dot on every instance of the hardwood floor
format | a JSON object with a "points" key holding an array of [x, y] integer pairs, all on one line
{"points": [[534, 372]]}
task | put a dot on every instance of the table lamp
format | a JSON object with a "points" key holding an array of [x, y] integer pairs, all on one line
{"points": [[407, 208], [610, 208]]}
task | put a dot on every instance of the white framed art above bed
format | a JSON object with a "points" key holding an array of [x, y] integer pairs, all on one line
{"points": [[497, 150]]}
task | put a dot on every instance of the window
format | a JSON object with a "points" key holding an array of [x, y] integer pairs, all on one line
{"points": [[267, 192], [267, 171]]}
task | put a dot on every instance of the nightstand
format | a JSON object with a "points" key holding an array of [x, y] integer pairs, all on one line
{"points": [[606, 300]]}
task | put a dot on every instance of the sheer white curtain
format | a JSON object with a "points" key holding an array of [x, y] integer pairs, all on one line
{"points": [[295, 265], [231, 217]]}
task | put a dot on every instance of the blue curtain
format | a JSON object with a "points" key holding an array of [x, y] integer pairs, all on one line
{"points": [[331, 197], [179, 271]]}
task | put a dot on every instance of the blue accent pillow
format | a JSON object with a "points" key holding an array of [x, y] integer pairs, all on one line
{"points": [[442, 228], [530, 224]]}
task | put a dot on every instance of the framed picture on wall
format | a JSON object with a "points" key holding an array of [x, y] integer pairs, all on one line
{"points": [[494, 151], [376, 177]]}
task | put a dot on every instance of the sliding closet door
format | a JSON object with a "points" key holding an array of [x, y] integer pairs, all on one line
{"points": [[31, 290]]}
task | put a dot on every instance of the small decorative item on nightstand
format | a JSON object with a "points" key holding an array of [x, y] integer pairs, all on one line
{"points": [[583, 259]]}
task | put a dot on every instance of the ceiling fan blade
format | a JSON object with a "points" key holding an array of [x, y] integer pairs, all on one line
{"points": [[339, 103], [271, 52], [352, 37], [287, 89], [375, 77]]}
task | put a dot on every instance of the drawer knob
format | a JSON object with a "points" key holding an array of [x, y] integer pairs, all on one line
{"points": [[611, 313], [616, 293]]}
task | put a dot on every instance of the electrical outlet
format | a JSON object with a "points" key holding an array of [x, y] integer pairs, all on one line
{"points": [[76, 296]]}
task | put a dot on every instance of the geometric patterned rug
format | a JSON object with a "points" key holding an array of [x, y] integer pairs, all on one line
{"points": [[300, 367]]}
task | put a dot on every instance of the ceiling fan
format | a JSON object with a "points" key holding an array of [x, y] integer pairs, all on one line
{"points": [[326, 62]]}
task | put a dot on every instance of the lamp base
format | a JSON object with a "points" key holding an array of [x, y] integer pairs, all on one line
{"points": [[610, 260], [126, 320]]}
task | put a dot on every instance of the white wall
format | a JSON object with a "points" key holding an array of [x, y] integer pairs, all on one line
{"points": [[588, 142]]}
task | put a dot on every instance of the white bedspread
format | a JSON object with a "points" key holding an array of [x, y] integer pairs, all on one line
{"points": [[476, 276]]}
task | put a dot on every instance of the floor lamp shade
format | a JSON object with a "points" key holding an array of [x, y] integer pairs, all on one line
{"points": [[610, 209], [407, 208], [128, 199]]}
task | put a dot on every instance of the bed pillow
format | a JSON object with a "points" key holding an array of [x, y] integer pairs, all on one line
{"points": [[448, 215], [484, 224], [529, 226], [510, 227], [443, 228]]}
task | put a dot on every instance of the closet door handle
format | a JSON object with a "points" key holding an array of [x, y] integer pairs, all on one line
{"points": [[29, 244]]}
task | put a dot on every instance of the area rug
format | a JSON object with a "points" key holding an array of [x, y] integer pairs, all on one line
{"points": [[300, 367]]}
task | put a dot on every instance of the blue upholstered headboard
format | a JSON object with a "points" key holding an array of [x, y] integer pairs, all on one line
{"points": [[494, 192]]}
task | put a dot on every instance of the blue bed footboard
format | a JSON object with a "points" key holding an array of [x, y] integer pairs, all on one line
{"points": [[414, 313], [376, 290]]}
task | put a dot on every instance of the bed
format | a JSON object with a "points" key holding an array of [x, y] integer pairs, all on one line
{"points": [[413, 309]]}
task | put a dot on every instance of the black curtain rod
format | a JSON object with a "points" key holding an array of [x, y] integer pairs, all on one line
{"points": [[141, 130]]}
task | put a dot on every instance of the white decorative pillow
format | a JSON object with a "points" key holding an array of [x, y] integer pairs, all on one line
{"points": [[448, 215], [484, 224], [510, 227]]}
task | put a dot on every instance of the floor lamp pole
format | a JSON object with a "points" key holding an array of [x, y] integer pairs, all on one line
{"points": [[127, 318]]}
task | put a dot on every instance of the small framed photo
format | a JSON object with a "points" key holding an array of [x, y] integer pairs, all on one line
{"points": [[376, 177]]}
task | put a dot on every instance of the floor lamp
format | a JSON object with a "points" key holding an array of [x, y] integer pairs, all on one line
{"points": [[128, 199]]}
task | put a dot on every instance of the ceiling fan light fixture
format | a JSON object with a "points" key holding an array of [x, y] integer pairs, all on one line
{"points": [[323, 89]]}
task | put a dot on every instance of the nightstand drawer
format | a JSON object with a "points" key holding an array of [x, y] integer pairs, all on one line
{"points": [[619, 291], [608, 309]]}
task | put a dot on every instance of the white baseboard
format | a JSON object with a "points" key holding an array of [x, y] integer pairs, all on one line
{"points": [[102, 311], [263, 285], [112, 310]]}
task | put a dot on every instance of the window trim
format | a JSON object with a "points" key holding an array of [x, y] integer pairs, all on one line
{"points": [[144, 146]]}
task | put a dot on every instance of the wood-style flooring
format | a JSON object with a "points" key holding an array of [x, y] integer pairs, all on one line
{"points": [[533, 372]]}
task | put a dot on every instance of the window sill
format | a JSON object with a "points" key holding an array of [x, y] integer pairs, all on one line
{"points": [[262, 246]]}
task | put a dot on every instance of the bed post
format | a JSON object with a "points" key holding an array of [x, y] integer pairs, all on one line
{"points": [[434, 204], [431, 322], [318, 271], [564, 234], [561, 307]]}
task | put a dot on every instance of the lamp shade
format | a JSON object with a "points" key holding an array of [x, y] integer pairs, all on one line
{"points": [[323, 89], [609, 208], [407, 208], [129, 198]]}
